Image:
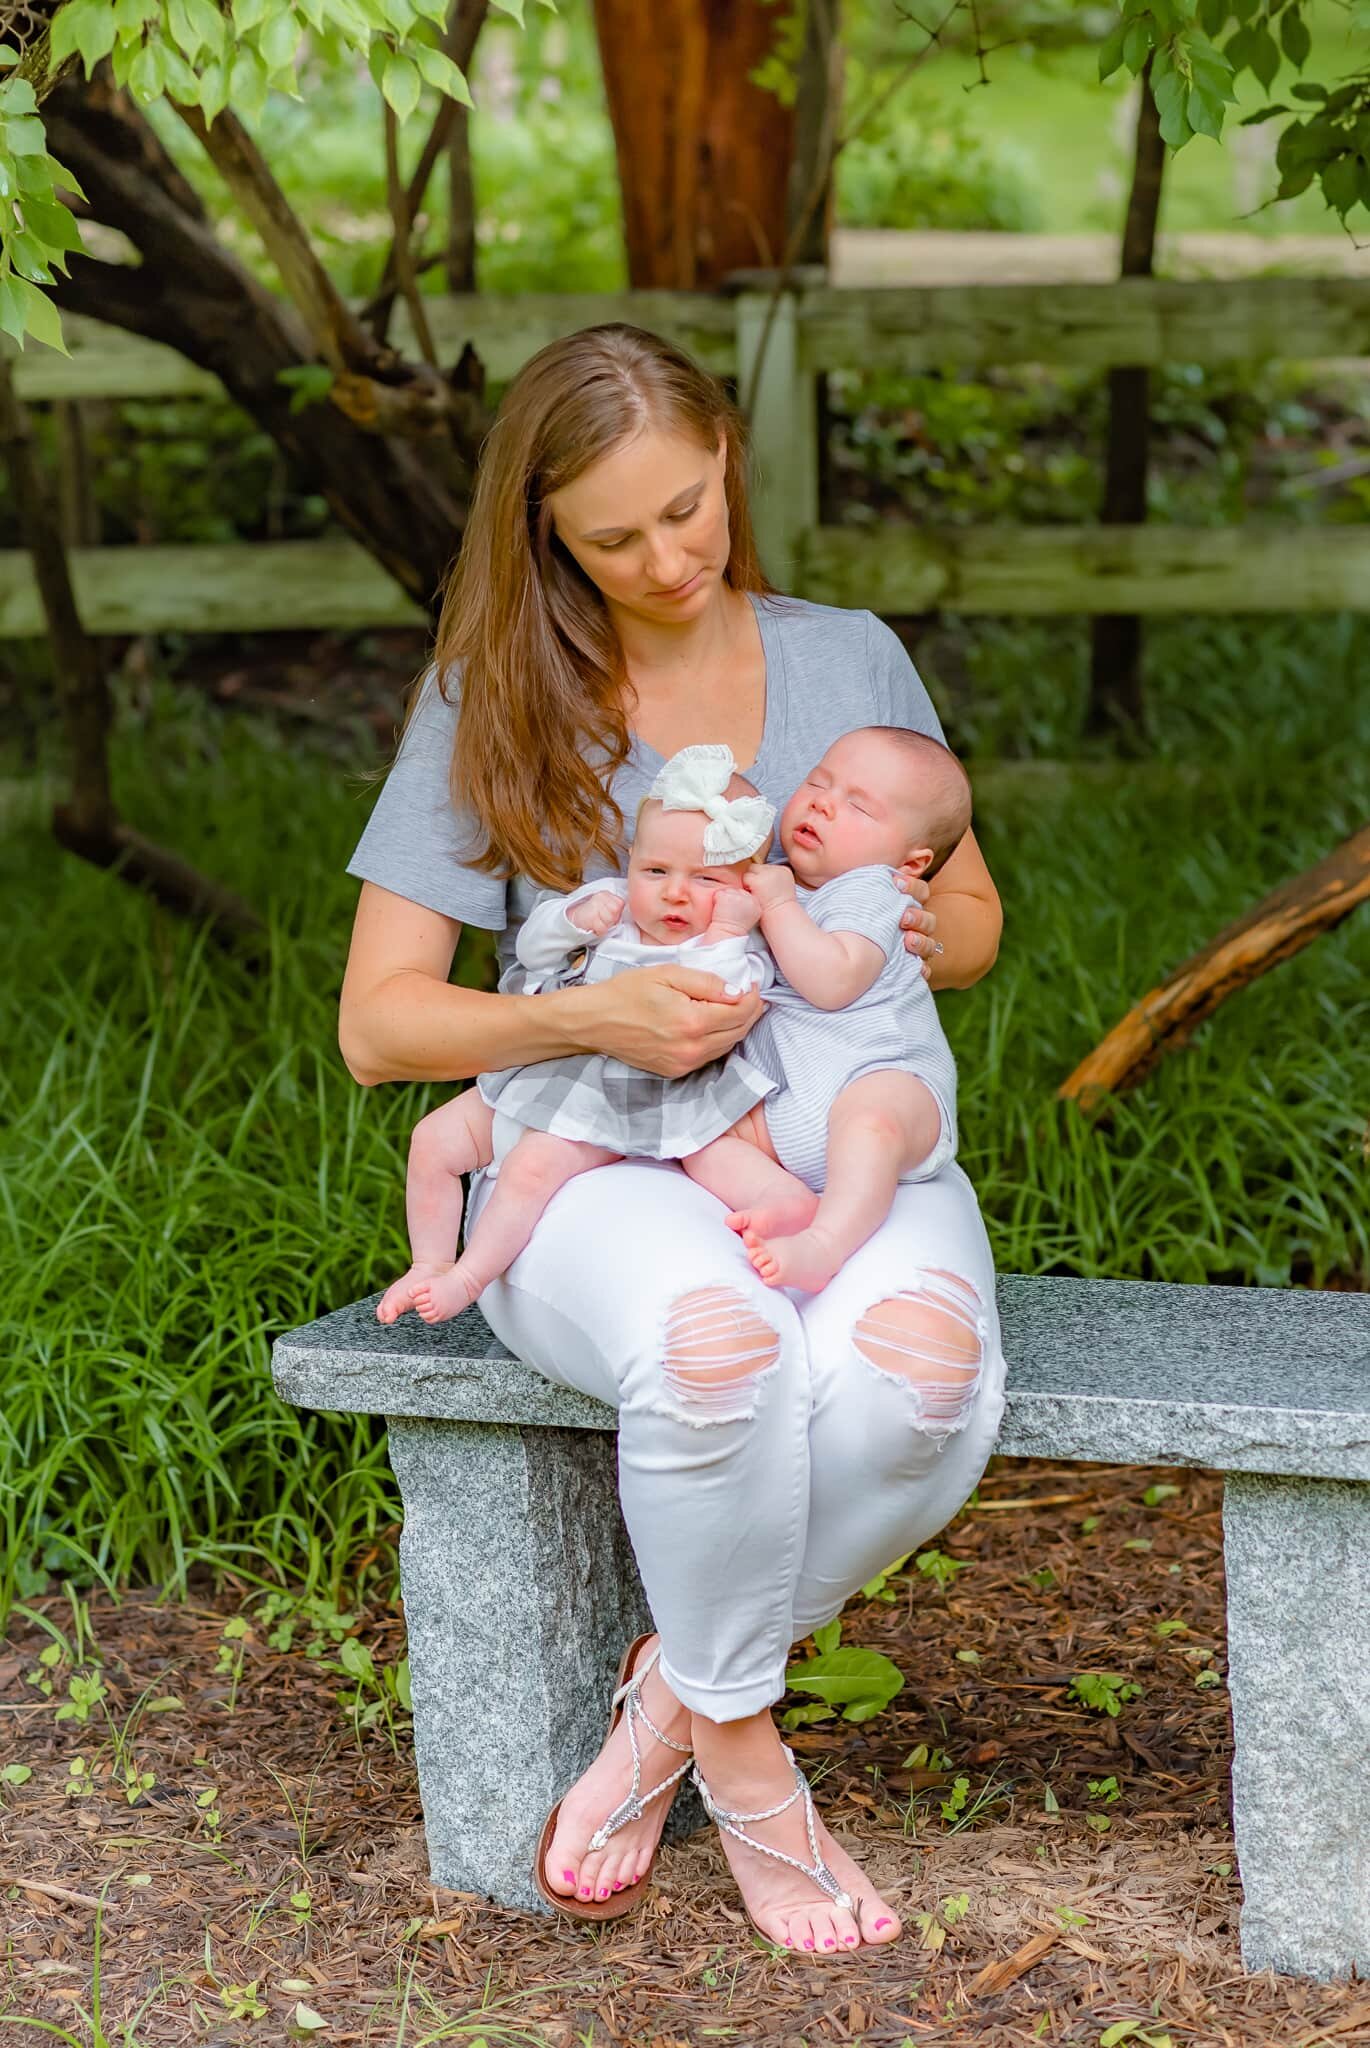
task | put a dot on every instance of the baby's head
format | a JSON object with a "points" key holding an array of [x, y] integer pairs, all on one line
{"points": [[676, 865], [880, 797]]}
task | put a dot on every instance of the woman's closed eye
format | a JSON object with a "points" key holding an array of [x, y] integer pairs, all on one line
{"points": [[676, 519]]}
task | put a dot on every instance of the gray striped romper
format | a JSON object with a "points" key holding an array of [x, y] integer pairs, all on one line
{"points": [[814, 1054]]}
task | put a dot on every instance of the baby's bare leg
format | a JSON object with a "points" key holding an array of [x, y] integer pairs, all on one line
{"points": [[879, 1128], [742, 1170], [448, 1142], [536, 1167]]}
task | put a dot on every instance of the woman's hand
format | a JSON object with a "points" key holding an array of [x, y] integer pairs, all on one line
{"points": [[919, 923], [667, 1020]]}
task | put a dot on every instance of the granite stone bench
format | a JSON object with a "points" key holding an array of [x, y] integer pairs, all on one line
{"points": [[520, 1587]]}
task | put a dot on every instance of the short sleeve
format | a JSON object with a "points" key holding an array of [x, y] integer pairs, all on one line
{"points": [[866, 902], [901, 697], [416, 842]]}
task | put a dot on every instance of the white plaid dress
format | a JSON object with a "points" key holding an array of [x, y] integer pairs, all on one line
{"points": [[595, 1097]]}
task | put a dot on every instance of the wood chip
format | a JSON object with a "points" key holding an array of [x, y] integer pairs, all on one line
{"points": [[997, 1976]]}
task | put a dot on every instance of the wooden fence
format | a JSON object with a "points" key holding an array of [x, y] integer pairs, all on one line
{"points": [[889, 567]]}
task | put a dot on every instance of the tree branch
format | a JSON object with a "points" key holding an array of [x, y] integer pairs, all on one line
{"points": [[1279, 926]]}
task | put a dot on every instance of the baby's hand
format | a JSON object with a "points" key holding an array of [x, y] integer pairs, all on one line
{"points": [[735, 914], [771, 883], [595, 915]]}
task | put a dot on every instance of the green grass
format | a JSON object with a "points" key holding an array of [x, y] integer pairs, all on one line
{"points": [[186, 1168]]}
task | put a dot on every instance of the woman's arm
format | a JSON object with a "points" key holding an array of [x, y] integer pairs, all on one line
{"points": [[961, 907], [401, 1020]]}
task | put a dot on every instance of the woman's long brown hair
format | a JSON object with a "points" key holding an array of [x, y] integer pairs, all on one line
{"points": [[525, 639]]}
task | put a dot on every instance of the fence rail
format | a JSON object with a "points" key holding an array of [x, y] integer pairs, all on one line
{"points": [[1147, 321]]}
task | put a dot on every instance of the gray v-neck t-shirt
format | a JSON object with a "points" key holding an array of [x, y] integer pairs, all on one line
{"points": [[827, 673]]}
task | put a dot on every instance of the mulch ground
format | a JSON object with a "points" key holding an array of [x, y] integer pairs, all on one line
{"points": [[293, 1903]]}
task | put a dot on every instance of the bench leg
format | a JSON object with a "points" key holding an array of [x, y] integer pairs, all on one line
{"points": [[520, 1594], [1298, 1616]]}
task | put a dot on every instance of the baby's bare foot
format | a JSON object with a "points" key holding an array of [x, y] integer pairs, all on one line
{"points": [[452, 1289], [780, 1217], [403, 1293], [808, 1260]]}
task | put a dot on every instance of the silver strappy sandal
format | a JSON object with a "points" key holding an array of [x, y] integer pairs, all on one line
{"points": [[626, 1703], [817, 1872]]}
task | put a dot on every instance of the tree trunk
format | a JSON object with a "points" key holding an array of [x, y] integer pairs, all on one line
{"points": [[703, 153], [1116, 703], [392, 451], [1282, 924], [89, 824]]}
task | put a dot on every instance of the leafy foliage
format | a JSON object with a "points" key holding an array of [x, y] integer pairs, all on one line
{"points": [[196, 54], [36, 230], [1192, 78]]}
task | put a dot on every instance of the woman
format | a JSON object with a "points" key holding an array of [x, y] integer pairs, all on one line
{"points": [[608, 608]]}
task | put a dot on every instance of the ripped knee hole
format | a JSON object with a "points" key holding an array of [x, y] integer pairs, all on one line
{"points": [[930, 1335], [717, 1349]]}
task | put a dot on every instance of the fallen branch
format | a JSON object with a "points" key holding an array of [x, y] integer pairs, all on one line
{"points": [[1282, 924]]}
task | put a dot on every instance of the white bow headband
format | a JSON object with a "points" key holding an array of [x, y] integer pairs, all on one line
{"points": [[695, 780]]}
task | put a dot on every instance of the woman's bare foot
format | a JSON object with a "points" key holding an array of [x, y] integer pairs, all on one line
{"points": [[807, 1260], [402, 1294], [745, 1767], [780, 1217], [572, 1867]]}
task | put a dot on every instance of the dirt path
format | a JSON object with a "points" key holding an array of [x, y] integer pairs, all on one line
{"points": [[272, 1871]]}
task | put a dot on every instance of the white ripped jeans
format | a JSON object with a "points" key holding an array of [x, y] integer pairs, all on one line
{"points": [[774, 1451]]}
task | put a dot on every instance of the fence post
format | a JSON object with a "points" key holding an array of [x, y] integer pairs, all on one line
{"points": [[784, 430]]}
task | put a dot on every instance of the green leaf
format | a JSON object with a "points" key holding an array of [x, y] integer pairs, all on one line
{"points": [[8, 55], [84, 26], [849, 1677], [510, 7], [1205, 116], [1265, 57], [249, 14], [41, 318], [1341, 184], [1212, 15], [147, 74], [829, 1636], [355, 1658], [1136, 44], [400, 85], [804, 1717], [1317, 93], [19, 97], [439, 70], [1172, 97], [248, 88], [1111, 51], [1295, 40], [279, 40], [26, 137], [15, 1774]]}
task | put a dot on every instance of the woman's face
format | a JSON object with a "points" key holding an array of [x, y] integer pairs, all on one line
{"points": [[648, 524]]}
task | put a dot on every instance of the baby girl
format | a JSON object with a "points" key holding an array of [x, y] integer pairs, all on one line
{"points": [[697, 833], [867, 1084]]}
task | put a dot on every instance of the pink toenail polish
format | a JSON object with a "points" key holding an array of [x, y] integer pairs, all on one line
{"points": [[604, 1891], [568, 1877], [808, 1944], [585, 1891], [830, 1944], [618, 1885], [883, 1923], [850, 1940]]}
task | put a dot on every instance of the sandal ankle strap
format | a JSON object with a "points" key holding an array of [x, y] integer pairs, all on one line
{"points": [[731, 1823], [629, 1697]]}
